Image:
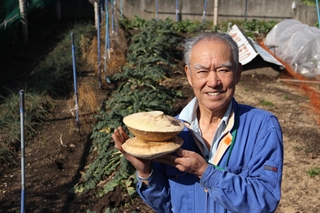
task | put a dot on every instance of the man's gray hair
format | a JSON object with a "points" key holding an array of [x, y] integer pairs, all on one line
{"points": [[224, 37]]}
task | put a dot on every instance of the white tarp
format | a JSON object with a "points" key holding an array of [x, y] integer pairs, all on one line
{"points": [[297, 44]]}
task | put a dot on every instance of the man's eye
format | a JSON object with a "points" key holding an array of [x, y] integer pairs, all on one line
{"points": [[224, 70]]}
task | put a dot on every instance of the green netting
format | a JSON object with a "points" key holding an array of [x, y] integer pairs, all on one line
{"points": [[10, 14], [36, 4]]}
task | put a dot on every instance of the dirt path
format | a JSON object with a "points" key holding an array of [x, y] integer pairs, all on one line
{"points": [[58, 154], [258, 87]]}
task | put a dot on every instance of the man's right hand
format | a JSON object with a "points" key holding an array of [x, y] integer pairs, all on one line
{"points": [[143, 166]]}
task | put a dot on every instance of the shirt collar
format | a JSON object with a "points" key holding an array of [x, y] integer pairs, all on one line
{"points": [[189, 112]]}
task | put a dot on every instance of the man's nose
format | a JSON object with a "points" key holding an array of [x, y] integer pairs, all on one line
{"points": [[213, 79]]}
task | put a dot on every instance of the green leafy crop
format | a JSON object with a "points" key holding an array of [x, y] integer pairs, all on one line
{"points": [[149, 61]]}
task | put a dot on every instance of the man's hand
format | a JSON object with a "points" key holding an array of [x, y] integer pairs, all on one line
{"points": [[143, 166], [185, 161]]}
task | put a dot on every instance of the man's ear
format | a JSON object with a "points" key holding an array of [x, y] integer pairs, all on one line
{"points": [[188, 73], [238, 74]]}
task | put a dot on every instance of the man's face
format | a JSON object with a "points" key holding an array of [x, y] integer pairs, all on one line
{"points": [[212, 75]]}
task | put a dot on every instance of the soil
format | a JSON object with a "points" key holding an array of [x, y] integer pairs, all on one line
{"points": [[58, 153]]}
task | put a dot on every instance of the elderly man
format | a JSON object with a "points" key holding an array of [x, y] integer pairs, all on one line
{"points": [[232, 156]]}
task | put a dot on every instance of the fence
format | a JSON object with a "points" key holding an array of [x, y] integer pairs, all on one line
{"points": [[226, 10], [11, 15]]}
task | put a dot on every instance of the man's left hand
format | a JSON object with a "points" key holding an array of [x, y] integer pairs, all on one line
{"points": [[186, 161]]}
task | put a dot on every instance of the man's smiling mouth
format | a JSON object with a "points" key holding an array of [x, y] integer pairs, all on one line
{"points": [[213, 93]]}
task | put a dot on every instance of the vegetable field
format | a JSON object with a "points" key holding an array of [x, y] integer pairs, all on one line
{"points": [[80, 171]]}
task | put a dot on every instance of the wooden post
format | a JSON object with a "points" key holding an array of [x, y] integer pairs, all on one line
{"points": [[215, 13], [24, 20], [96, 14], [58, 10]]}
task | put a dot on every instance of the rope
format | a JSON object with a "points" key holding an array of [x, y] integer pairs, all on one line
{"points": [[76, 107]]}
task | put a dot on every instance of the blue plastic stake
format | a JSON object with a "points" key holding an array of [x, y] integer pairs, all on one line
{"points": [[107, 42], [116, 20], [246, 11], [23, 177], [75, 82], [112, 9], [106, 37], [318, 13], [107, 27], [177, 10], [99, 56], [121, 8], [157, 10], [204, 10]]}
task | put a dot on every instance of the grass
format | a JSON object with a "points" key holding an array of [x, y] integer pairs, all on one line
{"points": [[50, 79], [309, 2], [266, 103], [309, 149], [313, 171], [10, 120], [297, 148]]}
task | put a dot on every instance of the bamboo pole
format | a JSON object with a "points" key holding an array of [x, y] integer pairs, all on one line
{"points": [[215, 13], [24, 20], [96, 14], [300, 81], [58, 10]]}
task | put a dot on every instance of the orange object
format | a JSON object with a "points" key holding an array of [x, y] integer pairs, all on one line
{"points": [[227, 140], [311, 93]]}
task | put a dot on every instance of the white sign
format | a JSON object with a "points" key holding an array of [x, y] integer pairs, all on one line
{"points": [[246, 51]]}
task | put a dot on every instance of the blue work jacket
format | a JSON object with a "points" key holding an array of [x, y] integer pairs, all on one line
{"points": [[249, 183]]}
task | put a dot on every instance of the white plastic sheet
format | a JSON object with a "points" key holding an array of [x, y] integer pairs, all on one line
{"points": [[297, 44]]}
